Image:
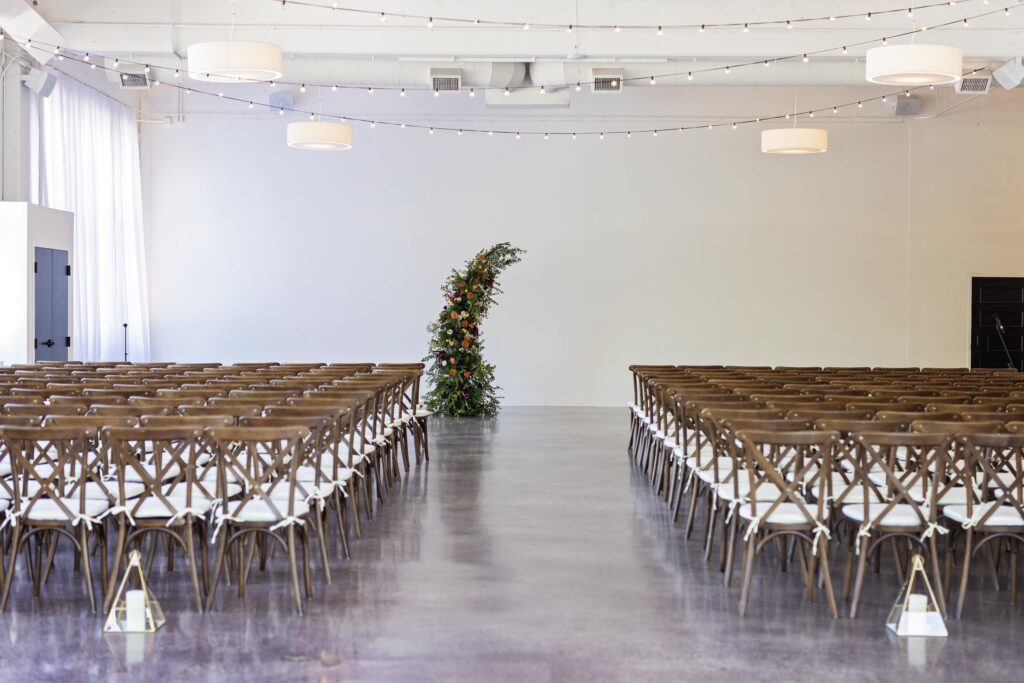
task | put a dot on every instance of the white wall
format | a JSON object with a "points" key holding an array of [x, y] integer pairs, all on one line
{"points": [[688, 248]]}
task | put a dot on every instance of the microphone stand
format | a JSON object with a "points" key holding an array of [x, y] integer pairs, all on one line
{"points": [[126, 342], [999, 330]]}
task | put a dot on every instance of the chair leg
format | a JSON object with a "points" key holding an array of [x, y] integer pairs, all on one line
{"points": [[748, 570], [296, 594], [826, 576], [965, 571], [319, 516], [218, 565], [83, 540], [115, 570], [862, 561], [933, 550], [192, 569]]}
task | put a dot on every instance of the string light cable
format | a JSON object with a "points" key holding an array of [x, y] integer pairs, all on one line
{"points": [[432, 21], [517, 133], [691, 74]]}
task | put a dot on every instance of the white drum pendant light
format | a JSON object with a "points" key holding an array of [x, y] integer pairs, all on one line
{"points": [[914, 64], [319, 135], [794, 141], [234, 61]]}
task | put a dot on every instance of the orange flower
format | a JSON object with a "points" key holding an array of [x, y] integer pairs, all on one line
{"points": [[467, 374], [465, 343], [453, 372], [469, 295]]}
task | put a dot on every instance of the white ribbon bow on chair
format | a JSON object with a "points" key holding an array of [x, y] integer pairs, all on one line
{"points": [[288, 521], [89, 521], [733, 505], [980, 511], [11, 518], [123, 509], [195, 512], [932, 529], [863, 532], [755, 524], [819, 531], [220, 522]]}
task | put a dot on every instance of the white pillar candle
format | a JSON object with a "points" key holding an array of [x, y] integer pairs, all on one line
{"points": [[135, 610], [917, 602]]}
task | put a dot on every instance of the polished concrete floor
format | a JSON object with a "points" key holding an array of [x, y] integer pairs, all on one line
{"points": [[528, 550]]}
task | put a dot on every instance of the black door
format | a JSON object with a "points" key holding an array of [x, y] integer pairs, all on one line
{"points": [[996, 300]]}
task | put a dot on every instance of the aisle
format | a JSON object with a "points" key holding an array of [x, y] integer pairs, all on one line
{"points": [[528, 550]]}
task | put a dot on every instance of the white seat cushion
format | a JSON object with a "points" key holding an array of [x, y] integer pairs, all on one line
{"points": [[900, 515], [422, 413], [46, 510], [1004, 515], [154, 508], [131, 490], [178, 491], [766, 491], [786, 513], [257, 510], [325, 489]]}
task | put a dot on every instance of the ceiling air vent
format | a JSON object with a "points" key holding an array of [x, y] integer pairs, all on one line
{"points": [[974, 84], [446, 80], [128, 76], [607, 80]]}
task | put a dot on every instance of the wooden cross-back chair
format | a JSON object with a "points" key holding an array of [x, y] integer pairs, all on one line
{"points": [[48, 502], [265, 460]]}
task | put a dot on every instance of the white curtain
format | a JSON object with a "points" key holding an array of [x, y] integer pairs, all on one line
{"points": [[89, 165]]}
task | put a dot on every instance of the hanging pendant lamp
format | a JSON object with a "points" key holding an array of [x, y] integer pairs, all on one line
{"points": [[319, 135], [914, 64], [794, 141], [233, 61]]}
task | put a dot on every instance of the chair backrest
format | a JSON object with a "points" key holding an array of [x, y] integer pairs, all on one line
{"points": [[50, 464], [994, 470], [788, 461], [904, 466], [163, 459], [265, 461]]}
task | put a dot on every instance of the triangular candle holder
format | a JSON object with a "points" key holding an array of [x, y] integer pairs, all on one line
{"points": [[134, 611], [916, 614]]}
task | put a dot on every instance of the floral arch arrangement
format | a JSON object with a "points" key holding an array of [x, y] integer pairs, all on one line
{"points": [[462, 382]]}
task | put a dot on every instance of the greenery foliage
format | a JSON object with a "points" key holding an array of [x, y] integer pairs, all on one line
{"points": [[462, 382]]}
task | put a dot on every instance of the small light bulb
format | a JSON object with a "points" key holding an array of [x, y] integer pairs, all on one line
{"points": [[689, 76], [965, 22], [867, 17], [86, 58], [369, 91], [835, 110], [652, 80], [844, 49], [728, 70], [188, 91], [303, 88], [334, 88], [431, 131], [507, 92], [910, 13], [472, 92], [885, 41], [574, 136], [811, 114], [280, 112], [831, 18], [117, 63], [629, 134], [654, 134], [734, 126], [617, 29], [578, 87], [517, 136], [220, 94], [490, 133], [430, 24], [884, 98], [373, 124], [542, 90], [312, 117], [661, 32], [710, 126], [402, 93], [789, 24], [460, 132], [569, 29], [701, 29], [545, 136], [766, 64], [601, 136], [403, 125], [383, 17], [437, 93], [250, 105], [146, 69], [746, 28], [806, 59], [526, 27], [860, 105]]}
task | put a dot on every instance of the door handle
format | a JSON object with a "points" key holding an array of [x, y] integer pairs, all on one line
{"points": [[48, 342]]}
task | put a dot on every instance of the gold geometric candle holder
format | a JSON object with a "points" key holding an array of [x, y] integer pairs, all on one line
{"points": [[916, 614], [134, 611]]}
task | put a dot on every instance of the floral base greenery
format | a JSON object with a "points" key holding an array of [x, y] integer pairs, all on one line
{"points": [[462, 382]]}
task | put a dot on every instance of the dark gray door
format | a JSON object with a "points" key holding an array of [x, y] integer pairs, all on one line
{"points": [[53, 279], [997, 305]]}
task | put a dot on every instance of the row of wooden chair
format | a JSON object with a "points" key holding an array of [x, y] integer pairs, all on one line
{"points": [[802, 461], [254, 459]]}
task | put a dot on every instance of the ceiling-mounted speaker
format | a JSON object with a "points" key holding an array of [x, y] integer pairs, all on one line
{"points": [[40, 82], [907, 106], [1011, 74], [20, 20]]}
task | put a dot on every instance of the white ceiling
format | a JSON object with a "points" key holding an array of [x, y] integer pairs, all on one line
{"points": [[163, 28]]}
